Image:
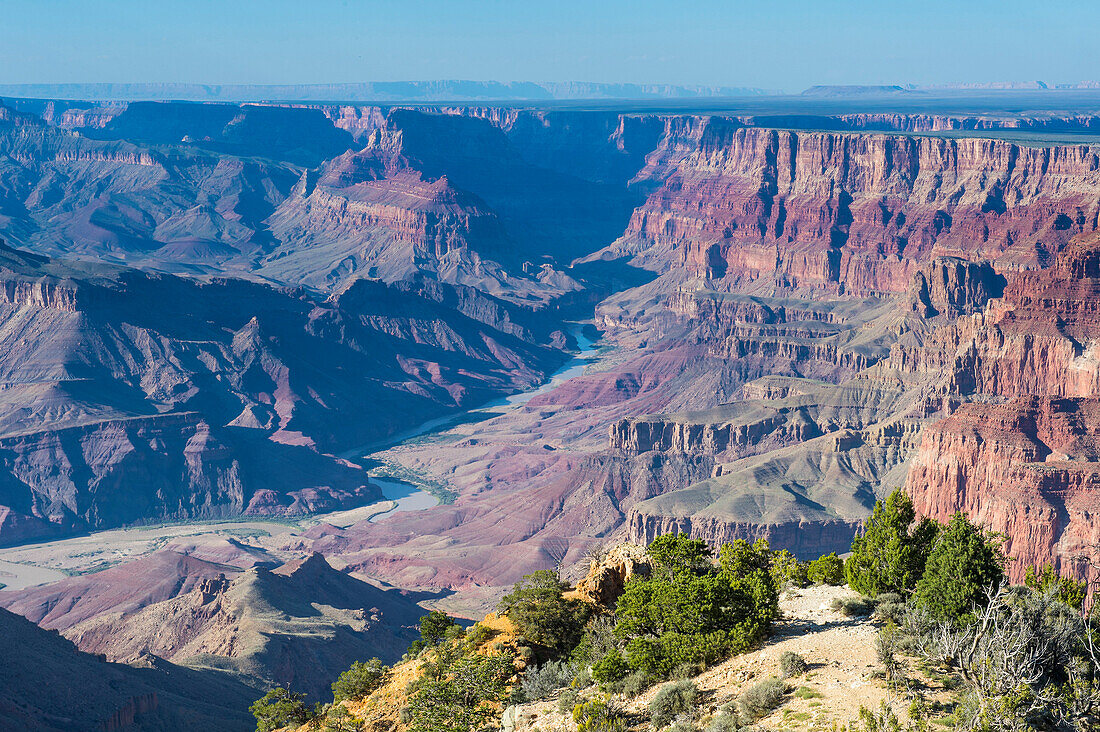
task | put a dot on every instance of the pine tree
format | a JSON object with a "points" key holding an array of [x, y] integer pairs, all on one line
{"points": [[891, 553], [964, 563]]}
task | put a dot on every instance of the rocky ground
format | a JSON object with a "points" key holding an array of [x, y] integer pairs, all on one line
{"points": [[840, 652]]}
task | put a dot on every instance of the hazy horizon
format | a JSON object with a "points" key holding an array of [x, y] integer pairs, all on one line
{"points": [[784, 47]]}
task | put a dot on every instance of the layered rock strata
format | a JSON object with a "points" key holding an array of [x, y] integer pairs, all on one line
{"points": [[1021, 458]]}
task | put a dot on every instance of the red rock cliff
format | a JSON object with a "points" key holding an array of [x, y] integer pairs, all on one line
{"points": [[1021, 458], [857, 212]]}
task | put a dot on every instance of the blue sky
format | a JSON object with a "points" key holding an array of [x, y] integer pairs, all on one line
{"points": [[784, 45]]}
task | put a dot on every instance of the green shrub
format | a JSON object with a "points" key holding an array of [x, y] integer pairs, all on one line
{"points": [[826, 570], [691, 610], [280, 708], [963, 564], [598, 715], [636, 683], [479, 635], [791, 664], [890, 611], [463, 695], [339, 718], [611, 668], [787, 571], [671, 700], [596, 642], [891, 553], [675, 554], [724, 722], [760, 699], [885, 720], [567, 701], [687, 671], [434, 627], [359, 680], [681, 725], [662, 656], [542, 614]]}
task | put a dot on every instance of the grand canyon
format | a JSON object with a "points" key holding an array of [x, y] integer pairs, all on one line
{"points": [[279, 377]]}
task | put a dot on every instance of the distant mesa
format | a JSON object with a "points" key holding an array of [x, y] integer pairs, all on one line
{"points": [[375, 91], [852, 90], [868, 90]]}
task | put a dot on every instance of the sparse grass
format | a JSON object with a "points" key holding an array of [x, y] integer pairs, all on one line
{"points": [[724, 723], [636, 683], [567, 701], [479, 634], [890, 611], [242, 533], [805, 692], [97, 567], [948, 681]]}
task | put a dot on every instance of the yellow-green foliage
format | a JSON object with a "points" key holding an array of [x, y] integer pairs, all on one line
{"points": [[826, 570], [359, 680], [1065, 589], [598, 715], [542, 613]]}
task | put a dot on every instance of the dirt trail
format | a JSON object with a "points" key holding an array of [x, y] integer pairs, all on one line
{"points": [[840, 652]]}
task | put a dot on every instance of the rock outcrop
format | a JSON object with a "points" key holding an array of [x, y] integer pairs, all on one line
{"points": [[609, 572]]}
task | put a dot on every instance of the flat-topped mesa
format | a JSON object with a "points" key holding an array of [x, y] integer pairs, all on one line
{"points": [[859, 213], [827, 340], [666, 434], [781, 416]]}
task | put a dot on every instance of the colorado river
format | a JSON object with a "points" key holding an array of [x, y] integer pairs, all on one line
{"points": [[408, 497], [19, 576]]}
